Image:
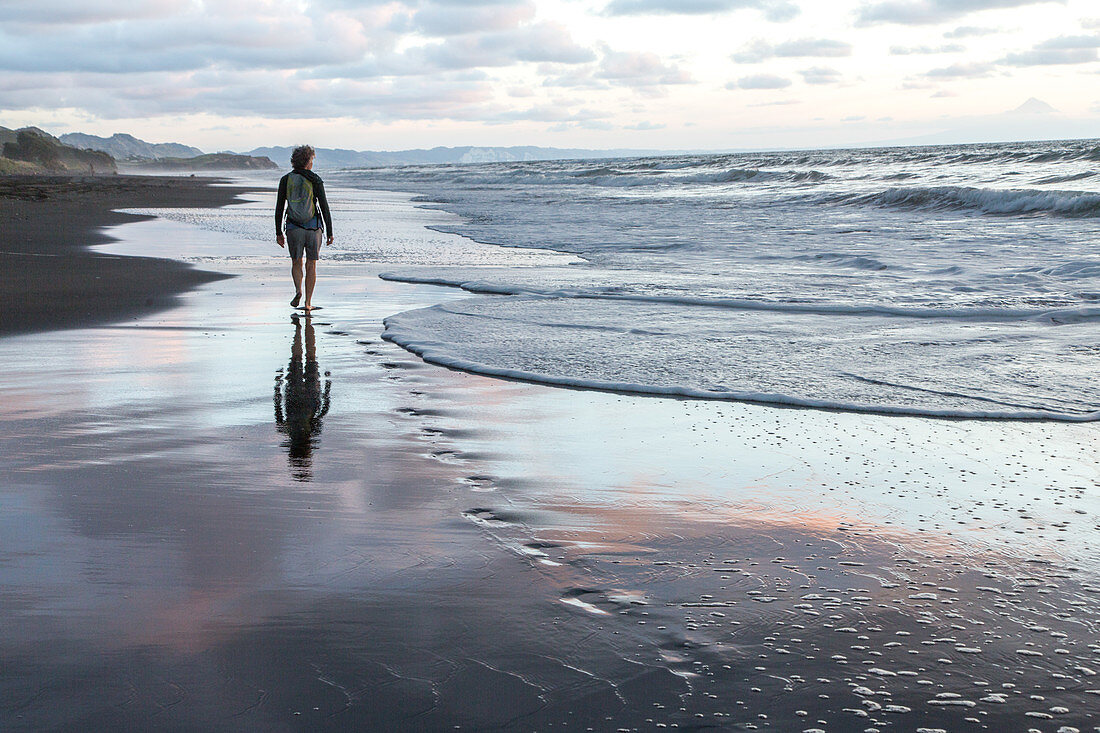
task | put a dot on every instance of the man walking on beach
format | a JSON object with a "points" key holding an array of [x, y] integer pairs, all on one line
{"points": [[302, 194]]}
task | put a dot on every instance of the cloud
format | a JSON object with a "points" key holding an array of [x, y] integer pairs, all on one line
{"points": [[969, 31], [133, 59], [449, 20], [559, 112], [926, 50], [820, 75], [595, 125], [1070, 42], [640, 69], [775, 10], [813, 47], [1052, 57], [926, 12], [758, 51], [187, 42], [574, 77], [961, 71], [356, 43], [646, 126], [539, 42], [645, 72], [1081, 49], [63, 12], [1056, 51], [759, 81]]}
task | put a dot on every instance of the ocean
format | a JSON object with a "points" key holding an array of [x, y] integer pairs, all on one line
{"points": [[953, 281]]}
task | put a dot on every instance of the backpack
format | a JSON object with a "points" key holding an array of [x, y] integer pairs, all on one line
{"points": [[301, 209]]}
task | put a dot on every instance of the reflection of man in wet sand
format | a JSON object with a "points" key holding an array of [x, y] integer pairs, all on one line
{"points": [[300, 404]]}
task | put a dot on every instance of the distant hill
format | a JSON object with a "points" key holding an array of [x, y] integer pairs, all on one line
{"points": [[124, 147], [205, 162], [138, 155], [341, 158], [31, 150]]}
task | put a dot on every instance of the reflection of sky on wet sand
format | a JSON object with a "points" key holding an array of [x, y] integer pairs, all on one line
{"points": [[956, 559], [1026, 486], [153, 539], [146, 483]]}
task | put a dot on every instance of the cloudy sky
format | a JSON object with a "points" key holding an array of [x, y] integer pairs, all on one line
{"points": [[664, 74]]}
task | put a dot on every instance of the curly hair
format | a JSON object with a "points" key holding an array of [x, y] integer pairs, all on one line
{"points": [[302, 155]]}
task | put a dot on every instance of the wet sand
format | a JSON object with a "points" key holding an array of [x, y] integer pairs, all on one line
{"points": [[52, 279], [219, 516]]}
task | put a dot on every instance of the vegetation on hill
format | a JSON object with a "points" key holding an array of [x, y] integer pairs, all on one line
{"points": [[18, 166], [31, 150]]}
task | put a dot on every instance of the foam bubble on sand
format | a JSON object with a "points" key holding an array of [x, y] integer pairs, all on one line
{"points": [[584, 606]]}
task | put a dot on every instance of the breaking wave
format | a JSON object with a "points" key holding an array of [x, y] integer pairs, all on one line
{"points": [[982, 200], [731, 357]]}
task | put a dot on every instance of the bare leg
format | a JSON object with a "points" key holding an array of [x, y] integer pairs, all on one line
{"points": [[296, 273], [311, 280]]}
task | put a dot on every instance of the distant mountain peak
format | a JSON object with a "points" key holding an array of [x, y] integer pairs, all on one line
{"points": [[1034, 106], [37, 131], [124, 146], [328, 158]]}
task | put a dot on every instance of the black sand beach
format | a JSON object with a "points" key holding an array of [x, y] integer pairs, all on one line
{"points": [[217, 516], [51, 278]]}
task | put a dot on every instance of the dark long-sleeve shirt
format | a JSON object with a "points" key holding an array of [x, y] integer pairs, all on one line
{"points": [[318, 194]]}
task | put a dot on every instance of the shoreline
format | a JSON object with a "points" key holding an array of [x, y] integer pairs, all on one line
{"points": [[48, 267]]}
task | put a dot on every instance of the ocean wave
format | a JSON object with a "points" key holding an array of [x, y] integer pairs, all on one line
{"points": [[412, 338], [1022, 153], [1076, 204], [841, 259], [1065, 179], [1057, 156], [837, 259], [606, 175], [613, 177], [1074, 269], [1053, 316], [978, 154]]}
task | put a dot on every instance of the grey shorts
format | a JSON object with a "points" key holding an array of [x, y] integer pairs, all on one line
{"points": [[303, 240]]}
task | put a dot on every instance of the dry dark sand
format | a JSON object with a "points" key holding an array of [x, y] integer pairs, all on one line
{"points": [[218, 517], [49, 276]]}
